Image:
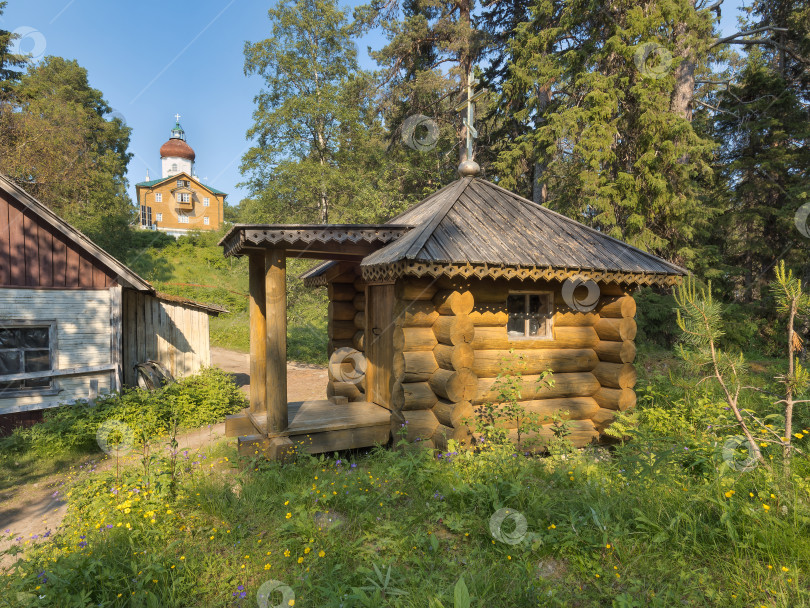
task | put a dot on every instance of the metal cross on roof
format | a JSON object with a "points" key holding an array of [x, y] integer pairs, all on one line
{"points": [[177, 118], [469, 120]]}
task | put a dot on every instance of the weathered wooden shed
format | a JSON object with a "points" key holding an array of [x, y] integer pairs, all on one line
{"points": [[435, 301], [73, 319]]}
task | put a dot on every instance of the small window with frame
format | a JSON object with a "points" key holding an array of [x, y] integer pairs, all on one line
{"points": [[27, 348], [529, 315]]}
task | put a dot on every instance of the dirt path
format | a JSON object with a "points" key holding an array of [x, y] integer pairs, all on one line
{"points": [[32, 511], [304, 381]]}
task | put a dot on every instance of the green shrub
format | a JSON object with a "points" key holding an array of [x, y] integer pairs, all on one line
{"points": [[198, 400]]}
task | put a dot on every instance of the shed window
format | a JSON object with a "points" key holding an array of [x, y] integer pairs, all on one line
{"points": [[25, 349], [529, 314]]}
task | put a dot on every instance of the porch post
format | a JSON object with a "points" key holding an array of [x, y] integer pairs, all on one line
{"points": [[258, 332], [275, 287]]}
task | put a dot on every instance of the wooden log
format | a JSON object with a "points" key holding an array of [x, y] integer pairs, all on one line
{"points": [[490, 292], [414, 366], [571, 408], [341, 311], [488, 318], [603, 418], [612, 289], [359, 301], [414, 338], [454, 357], [570, 384], [407, 396], [582, 432], [575, 319], [358, 340], [415, 313], [341, 330], [619, 307], [454, 385], [491, 338], [616, 330], [350, 390], [417, 424], [451, 302], [339, 373], [616, 352], [443, 434], [359, 284], [454, 414], [615, 399], [359, 319], [341, 292], [336, 344], [454, 330], [615, 375], [275, 295], [496, 338], [410, 288], [258, 331], [489, 363]]}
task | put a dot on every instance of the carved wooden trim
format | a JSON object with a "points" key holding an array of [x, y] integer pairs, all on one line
{"points": [[389, 272]]}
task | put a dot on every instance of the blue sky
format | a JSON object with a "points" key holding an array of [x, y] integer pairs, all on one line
{"points": [[153, 59]]}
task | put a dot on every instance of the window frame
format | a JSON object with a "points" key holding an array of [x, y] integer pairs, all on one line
{"points": [[182, 218], [158, 197], [158, 217], [53, 348], [206, 201], [182, 195], [548, 334], [206, 221]]}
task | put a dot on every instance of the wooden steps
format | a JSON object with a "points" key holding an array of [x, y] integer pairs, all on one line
{"points": [[314, 426]]}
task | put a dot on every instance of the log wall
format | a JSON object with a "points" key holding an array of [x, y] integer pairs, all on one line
{"points": [[451, 342], [346, 328]]}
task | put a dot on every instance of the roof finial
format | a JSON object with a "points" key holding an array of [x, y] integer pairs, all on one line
{"points": [[177, 118], [468, 166]]}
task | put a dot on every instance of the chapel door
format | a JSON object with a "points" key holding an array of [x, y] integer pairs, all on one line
{"points": [[379, 343]]}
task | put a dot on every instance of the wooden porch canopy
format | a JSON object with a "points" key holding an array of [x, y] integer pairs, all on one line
{"points": [[268, 246]]}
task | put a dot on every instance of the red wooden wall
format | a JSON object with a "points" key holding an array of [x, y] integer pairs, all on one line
{"points": [[32, 254]]}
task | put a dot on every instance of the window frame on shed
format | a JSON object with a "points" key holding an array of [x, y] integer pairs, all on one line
{"points": [[548, 320], [53, 386]]}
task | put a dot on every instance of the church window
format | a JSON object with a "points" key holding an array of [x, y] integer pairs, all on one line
{"points": [[206, 221], [183, 219], [158, 197], [158, 217], [183, 197], [206, 201], [174, 167]]}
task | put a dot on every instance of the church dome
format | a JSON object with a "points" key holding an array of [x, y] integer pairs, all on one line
{"points": [[177, 148]]}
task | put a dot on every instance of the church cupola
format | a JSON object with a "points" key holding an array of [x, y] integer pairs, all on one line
{"points": [[176, 156]]}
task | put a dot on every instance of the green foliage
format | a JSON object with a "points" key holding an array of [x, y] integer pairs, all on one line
{"points": [[195, 401], [58, 142], [493, 419]]}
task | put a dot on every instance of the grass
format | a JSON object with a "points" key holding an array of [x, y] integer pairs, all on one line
{"points": [[194, 267]]}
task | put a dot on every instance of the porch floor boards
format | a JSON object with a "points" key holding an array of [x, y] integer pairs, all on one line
{"points": [[316, 426]]}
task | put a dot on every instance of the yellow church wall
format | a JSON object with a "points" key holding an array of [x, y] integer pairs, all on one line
{"points": [[171, 209]]}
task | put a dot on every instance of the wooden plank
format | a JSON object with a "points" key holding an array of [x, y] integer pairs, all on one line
{"points": [[85, 273], [115, 337], [275, 291], [31, 253], [5, 243], [77, 371], [258, 333], [323, 415], [59, 262], [16, 260], [72, 267], [379, 342], [346, 439]]}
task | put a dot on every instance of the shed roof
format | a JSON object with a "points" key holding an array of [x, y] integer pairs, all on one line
{"points": [[473, 227]]}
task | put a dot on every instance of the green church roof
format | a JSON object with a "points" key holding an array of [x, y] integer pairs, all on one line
{"points": [[155, 182]]}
